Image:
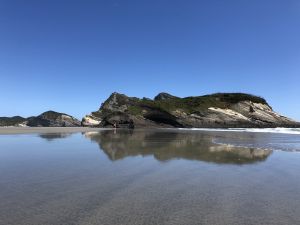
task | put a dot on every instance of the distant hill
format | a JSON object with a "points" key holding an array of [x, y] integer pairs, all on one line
{"points": [[46, 119], [220, 110], [11, 121]]}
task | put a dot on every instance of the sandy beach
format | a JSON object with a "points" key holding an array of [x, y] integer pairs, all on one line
{"points": [[153, 177], [26, 130]]}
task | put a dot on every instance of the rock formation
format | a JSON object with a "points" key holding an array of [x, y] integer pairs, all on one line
{"points": [[46, 119], [12, 121], [221, 110]]}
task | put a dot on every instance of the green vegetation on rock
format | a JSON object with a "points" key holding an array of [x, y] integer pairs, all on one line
{"points": [[11, 121], [216, 110]]}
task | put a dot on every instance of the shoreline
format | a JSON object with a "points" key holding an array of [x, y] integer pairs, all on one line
{"points": [[29, 130]]}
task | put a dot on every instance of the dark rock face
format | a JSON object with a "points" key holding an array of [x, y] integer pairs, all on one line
{"points": [[118, 119], [46, 119], [162, 117], [221, 110]]}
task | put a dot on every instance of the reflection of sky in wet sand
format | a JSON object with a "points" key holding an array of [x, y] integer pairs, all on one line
{"points": [[167, 145], [275, 141]]}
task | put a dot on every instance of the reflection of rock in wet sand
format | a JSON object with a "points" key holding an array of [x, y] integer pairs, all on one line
{"points": [[52, 136], [166, 145]]}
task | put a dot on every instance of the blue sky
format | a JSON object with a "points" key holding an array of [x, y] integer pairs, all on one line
{"points": [[69, 56]]}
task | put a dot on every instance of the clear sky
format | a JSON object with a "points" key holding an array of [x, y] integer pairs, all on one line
{"points": [[69, 56]]}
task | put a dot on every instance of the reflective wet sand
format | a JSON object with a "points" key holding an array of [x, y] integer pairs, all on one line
{"points": [[45, 130], [145, 177]]}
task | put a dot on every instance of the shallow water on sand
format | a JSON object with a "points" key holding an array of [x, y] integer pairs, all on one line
{"points": [[149, 177]]}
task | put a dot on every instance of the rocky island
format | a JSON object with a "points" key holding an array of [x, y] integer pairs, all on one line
{"points": [[220, 110]]}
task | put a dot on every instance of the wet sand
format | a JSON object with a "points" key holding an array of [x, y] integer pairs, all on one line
{"points": [[28, 130], [150, 177]]}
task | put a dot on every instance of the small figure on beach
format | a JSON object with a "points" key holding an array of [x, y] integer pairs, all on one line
{"points": [[115, 127]]}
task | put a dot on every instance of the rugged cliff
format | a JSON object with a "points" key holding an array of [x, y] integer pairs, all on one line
{"points": [[221, 110], [46, 119]]}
